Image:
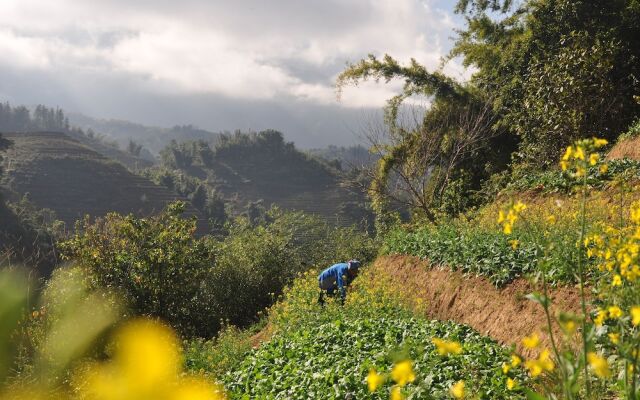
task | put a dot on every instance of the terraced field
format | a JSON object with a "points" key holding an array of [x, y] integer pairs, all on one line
{"points": [[60, 173]]}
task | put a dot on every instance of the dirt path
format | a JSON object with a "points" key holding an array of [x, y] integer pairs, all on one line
{"points": [[503, 314]]}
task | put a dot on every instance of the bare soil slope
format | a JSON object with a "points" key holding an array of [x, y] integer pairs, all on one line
{"points": [[60, 173], [629, 148], [503, 314]]}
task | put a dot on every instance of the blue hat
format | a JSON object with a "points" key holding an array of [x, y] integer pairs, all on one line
{"points": [[354, 264]]}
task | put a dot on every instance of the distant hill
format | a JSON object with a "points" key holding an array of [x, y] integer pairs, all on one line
{"points": [[64, 175], [150, 137], [348, 157], [248, 167], [46, 119]]}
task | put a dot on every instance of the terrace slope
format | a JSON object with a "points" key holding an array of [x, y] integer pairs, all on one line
{"points": [[502, 314], [62, 174]]}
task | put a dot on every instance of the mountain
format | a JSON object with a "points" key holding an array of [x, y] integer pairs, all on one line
{"points": [[151, 138], [58, 172]]}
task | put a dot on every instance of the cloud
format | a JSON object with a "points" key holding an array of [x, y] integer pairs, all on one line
{"points": [[239, 49]]}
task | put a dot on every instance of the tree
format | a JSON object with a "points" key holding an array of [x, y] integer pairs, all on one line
{"points": [[134, 148], [451, 142], [561, 70]]}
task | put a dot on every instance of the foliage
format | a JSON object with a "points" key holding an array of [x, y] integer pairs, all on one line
{"points": [[432, 164], [561, 70], [482, 251], [69, 325], [163, 271], [326, 352], [330, 361]]}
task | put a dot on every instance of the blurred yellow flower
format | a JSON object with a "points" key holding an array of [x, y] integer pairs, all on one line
{"points": [[593, 158], [531, 342], [447, 347], [511, 383], [515, 360], [617, 280], [402, 373], [614, 312], [635, 315], [601, 316], [599, 365], [457, 390], [374, 380], [396, 394], [614, 337], [540, 365], [146, 365], [599, 142], [506, 368], [514, 243]]}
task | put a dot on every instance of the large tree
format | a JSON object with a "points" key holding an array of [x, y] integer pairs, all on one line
{"points": [[560, 69]]}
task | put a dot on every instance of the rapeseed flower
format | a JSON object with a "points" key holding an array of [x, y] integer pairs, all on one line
{"points": [[447, 347], [374, 380], [635, 315], [614, 312], [515, 360], [541, 364], [396, 393], [402, 373], [457, 390], [531, 342], [511, 383], [599, 365], [146, 365]]}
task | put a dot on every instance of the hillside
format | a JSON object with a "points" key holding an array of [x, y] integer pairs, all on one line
{"points": [[262, 166], [60, 173]]}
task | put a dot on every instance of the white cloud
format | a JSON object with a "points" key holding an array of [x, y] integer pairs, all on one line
{"points": [[239, 49]]}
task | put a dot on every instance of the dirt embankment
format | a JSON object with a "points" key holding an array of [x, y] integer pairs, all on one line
{"points": [[629, 148], [502, 314]]}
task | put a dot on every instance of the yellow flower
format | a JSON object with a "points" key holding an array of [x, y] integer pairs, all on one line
{"points": [[531, 342], [515, 360], [614, 312], [506, 368], [508, 229], [601, 316], [457, 390], [514, 243], [635, 315], [579, 153], [519, 207], [446, 347], [564, 165], [542, 364], [617, 280], [604, 168], [614, 337], [511, 383], [593, 158], [374, 380], [396, 394], [402, 373], [599, 365], [146, 365], [569, 326], [599, 142], [501, 217], [567, 153], [551, 219]]}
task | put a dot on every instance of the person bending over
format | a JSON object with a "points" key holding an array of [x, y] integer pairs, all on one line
{"points": [[337, 277]]}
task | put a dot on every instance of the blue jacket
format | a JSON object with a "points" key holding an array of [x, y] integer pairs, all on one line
{"points": [[332, 277]]}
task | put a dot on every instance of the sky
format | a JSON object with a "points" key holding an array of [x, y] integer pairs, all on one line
{"points": [[220, 65]]}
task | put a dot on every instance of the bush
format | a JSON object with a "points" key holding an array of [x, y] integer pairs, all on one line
{"points": [[162, 270]]}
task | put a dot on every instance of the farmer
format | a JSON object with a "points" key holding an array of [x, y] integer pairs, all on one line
{"points": [[337, 276]]}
